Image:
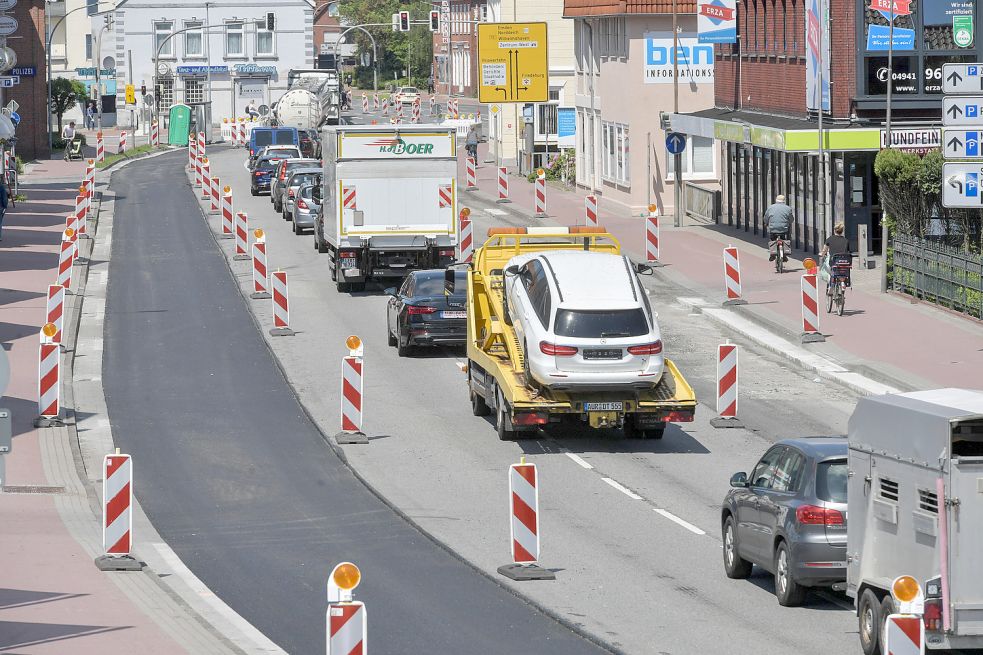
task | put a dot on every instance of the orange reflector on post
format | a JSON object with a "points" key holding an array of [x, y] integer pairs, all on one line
{"points": [[49, 330], [905, 588], [258, 233], [353, 343], [465, 211], [227, 189], [69, 233], [346, 575]]}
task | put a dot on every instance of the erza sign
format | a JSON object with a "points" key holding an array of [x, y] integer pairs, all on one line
{"points": [[694, 61]]}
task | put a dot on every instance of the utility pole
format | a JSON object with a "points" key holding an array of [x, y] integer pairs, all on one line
{"points": [[887, 128], [677, 158], [820, 105]]}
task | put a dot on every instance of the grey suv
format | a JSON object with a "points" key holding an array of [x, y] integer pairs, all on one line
{"points": [[789, 517]]}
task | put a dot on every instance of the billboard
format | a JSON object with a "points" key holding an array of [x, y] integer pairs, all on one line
{"points": [[717, 21], [695, 61], [817, 54]]}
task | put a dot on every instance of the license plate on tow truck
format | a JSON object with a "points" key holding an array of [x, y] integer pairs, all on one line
{"points": [[604, 407]]}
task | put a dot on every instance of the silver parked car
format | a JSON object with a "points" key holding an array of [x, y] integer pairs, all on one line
{"points": [[305, 209], [280, 174], [790, 517], [288, 189]]}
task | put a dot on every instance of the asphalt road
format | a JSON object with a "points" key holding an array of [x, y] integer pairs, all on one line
{"points": [[632, 527], [237, 479]]}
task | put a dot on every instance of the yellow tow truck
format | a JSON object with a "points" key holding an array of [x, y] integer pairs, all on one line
{"points": [[495, 368]]}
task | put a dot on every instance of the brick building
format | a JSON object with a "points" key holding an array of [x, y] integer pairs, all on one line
{"points": [[31, 93], [455, 47], [327, 26], [768, 128]]}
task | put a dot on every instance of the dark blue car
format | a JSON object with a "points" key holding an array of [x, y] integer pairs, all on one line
{"points": [[262, 175]]}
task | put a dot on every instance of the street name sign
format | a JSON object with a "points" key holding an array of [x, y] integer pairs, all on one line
{"points": [[962, 144], [513, 63], [961, 185], [962, 78], [962, 110]]}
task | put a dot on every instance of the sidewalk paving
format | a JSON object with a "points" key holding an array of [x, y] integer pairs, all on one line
{"points": [[52, 597], [888, 336]]}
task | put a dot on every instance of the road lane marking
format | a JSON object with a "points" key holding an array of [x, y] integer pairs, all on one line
{"points": [[623, 489], [579, 460], [675, 519]]}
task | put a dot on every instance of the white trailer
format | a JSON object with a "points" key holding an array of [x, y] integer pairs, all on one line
{"points": [[915, 507], [389, 201], [298, 108]]}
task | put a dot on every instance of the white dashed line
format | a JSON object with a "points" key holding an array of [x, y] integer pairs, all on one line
{"points": [[675, 519], [623, 489], [579, 460]]}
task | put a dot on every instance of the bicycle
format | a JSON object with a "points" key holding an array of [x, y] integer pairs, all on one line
{"points": [[839, 280], [780, 253]]}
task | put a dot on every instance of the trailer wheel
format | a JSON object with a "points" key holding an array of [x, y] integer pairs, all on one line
{"points": [[871, 622], [502, 422]]}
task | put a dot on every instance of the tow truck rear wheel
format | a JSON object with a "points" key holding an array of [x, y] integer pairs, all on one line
{"points": [[502, 422]]}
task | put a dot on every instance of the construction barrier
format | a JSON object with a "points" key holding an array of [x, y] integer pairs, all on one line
{"points": [[466, 239], [351, 394], [228, 218], [65, 259], [55, 310], [590, 211], [727, 380], [201, 145], [416, 111], [365, 104], [242, 133], [385, 106], [652, 236], [471, 173], [82, 213], [216, 196], [71, 229], [732, 277], [541, 193], [117, 514], [122, 142], [206, 179], [347, 633], [524, 513], [281, 305], [192, 151], [810, 306], [261, 287], [904, 634], [241, 236], [154, 134], [375, 102], [49, 380], [198, 166], [100, 147], [453, 109]]}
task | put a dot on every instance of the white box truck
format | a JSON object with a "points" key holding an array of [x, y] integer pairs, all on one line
{"points": [[915, 507], [389, 201]]}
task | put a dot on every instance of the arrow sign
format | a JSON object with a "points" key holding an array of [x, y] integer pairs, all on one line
{"points": [[962, 185], [962, 78], [961, 110], [675, 143], [963, 144]]}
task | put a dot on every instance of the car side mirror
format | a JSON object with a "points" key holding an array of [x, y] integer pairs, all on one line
{"points": [[391, 291], [450, 280], [739, 480], [512, 270], [644, 269]]}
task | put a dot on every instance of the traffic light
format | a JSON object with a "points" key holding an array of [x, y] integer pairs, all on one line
{"points": [[143, 89], [404, 21], [270, 21], [434, 21]]}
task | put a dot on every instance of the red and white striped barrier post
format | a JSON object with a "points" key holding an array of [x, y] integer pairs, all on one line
{"points": [[456, 112], [117, 514], [72, 232], [590, 211], [503, 185], [241, 236], [732, 277], [206, 179], [904, 634], [90, 174], [154, 134], [261, 280], [540, 193], [351, 394], [726, 388], [346, 617], [810, 310], [65, 259], [652, 237], [466, 239], [281, 305], [100, 147], [375, 102], [365, 104], [234, 133], [55, 310], [192, 151], [82, 212], [242, 133], [524, 525], [416, 111], [201, 144], [228, 218], [216, 197], [385, 106], [49, 380], [122, 142], [471, 174], [198, 167], [399, 112]]}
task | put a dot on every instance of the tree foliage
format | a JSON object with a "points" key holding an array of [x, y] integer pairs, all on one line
{"points": [[64, 94], [397, 51]]}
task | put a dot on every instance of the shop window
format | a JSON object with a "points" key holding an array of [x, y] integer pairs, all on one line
{"points": [[163, 44], [194, 91], [905, 75], [697, 158], [615, 165], [948, 25]]}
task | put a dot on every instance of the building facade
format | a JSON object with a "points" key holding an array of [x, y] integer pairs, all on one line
{"points": [[625, 70], [455, 47], [30, 91], [767, 106], [219, 52], [69, 29]]}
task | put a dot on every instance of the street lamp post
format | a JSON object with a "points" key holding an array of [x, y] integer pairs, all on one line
{"points": [[375, 59]]}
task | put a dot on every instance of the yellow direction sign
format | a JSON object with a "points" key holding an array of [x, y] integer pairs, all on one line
{"points": [[131, 95], [512, 63]]}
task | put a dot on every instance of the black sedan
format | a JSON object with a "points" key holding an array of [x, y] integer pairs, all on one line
{"points": [[420, 314], [261, 176]]}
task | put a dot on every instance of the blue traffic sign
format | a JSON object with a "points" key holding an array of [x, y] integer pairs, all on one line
{"points": [[675, 143], [15, 118]]}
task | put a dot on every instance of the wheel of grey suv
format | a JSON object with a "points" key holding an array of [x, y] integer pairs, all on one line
{"points": [[735, 566], [789, 592], [871, 622]]}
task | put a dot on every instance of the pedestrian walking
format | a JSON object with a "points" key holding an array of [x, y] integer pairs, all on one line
{"points": [[430, 85], [90, 116], [4, 198]]}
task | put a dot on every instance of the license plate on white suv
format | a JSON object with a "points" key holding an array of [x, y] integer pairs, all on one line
{"points": [[604, 407]]}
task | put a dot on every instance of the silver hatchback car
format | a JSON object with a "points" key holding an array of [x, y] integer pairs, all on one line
{"points": [[305, 209], [789, 517]]}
